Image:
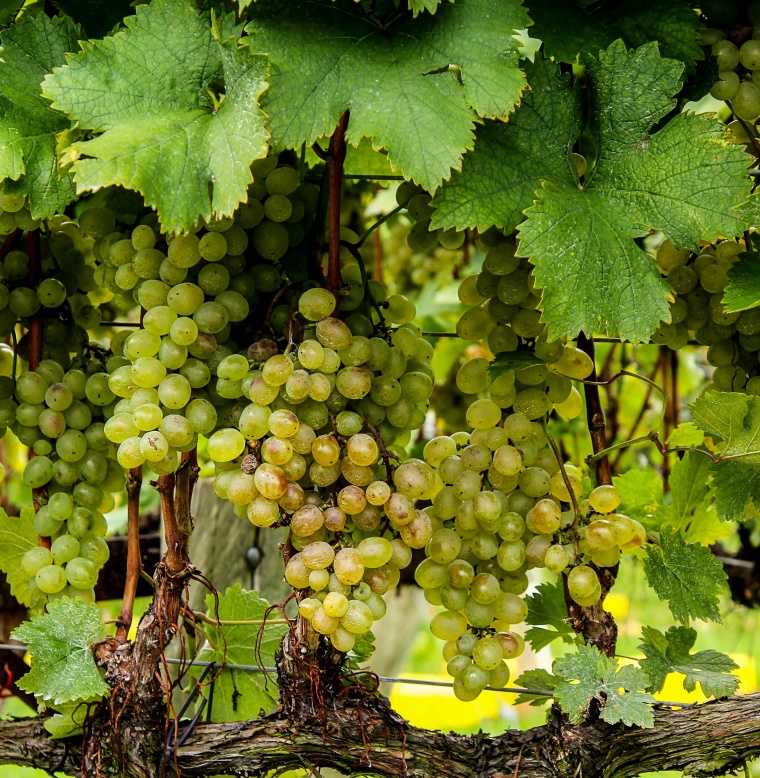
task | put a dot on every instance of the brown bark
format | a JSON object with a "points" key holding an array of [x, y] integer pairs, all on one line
{"points": [[127, 735], [335, 159], [714, 738], [595, 624]]}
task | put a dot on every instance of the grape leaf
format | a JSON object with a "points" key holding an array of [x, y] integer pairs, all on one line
{"points": [[735, 419], [641, 496], [547, 608], [670, 653], [68, 721], [17, 536], [686, 434], [417, 6], [743, 289], [8, 11], [415, 86], [98, 17], [688, 486], [499, 178], [541, 680], [507, 361], [162, 132], [29, 126], [241, 694], [579, 236], [706, 527], [568, 30], [686, 575], [590, 675], [63, 668]]}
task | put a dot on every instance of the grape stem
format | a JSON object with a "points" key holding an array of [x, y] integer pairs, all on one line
{"points": [[204, 617], [748, 130], [568, 485], [363, 270], [385, 455], [335, 161], [134, 562], [644, 408], [653, 437], [595, 414], [359, 243]]}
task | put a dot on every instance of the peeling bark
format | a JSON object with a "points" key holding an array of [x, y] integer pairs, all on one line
{"points": [[706, 740]]}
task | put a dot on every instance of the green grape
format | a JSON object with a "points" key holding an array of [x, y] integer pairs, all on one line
{"points": [[50, 579]]}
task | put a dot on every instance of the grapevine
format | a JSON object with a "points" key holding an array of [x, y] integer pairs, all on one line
{"points": [[457, 299]]}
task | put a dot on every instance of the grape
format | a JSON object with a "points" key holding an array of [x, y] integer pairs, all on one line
{"points": [[50, 579]]}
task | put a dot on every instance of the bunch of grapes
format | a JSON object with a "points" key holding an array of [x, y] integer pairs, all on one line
{"points": [[14, 214], [736, 50], [410, 269], [61, 298], [506, 507], [73, 471], [310, 452], [180, 375], [732, 339]]}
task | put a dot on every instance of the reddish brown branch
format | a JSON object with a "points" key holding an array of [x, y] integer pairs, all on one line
{"points": [[134, 560], [711, 739], [336, 158], [9, 242], [595, 624], [175, 540], [595, 415]]}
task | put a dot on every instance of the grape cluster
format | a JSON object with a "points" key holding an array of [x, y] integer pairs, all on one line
{"points": [[60, 416], [61, 298], [504, 300], [310, 452], [181, 375], [410, 266], [736, 52], [14, 214], [732, 339], [506, 508]]}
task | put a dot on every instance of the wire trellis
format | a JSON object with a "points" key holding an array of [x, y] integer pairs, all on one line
{"points": [[381, 678]]}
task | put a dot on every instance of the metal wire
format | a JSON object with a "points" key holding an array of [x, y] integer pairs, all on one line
{"points": [[382, 678], [596, 340], [431, 334]]}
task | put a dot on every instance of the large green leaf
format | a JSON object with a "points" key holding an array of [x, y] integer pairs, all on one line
{"points": [[415, 86], [28, 125], [538, 680], [568, 30], [743, 289], [684, 180], [147, 91], [734, 419], [671, 653], [685, 575], [688, 485], [590, 675], [63, 668], [642, 496], [241, 694], [17, 536], [547, 615]]}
